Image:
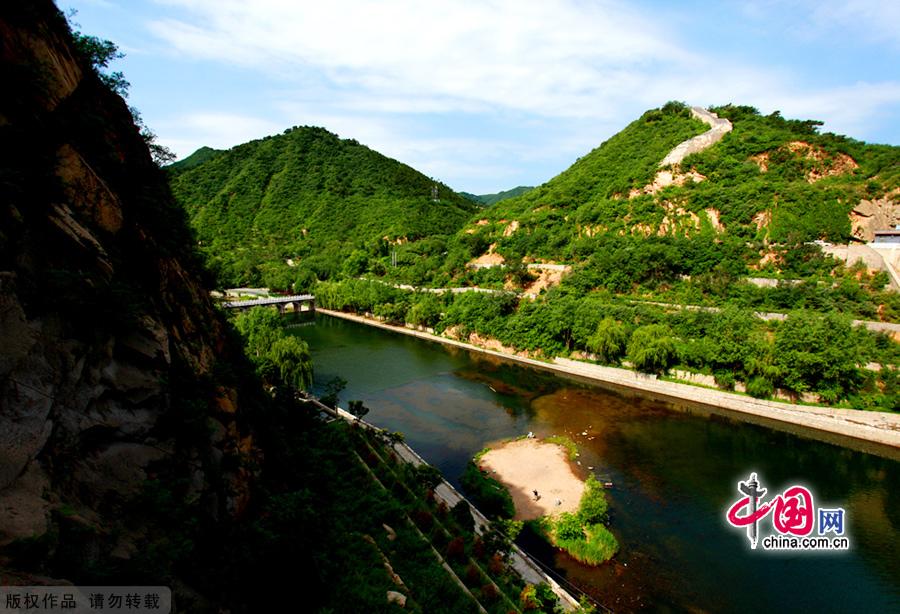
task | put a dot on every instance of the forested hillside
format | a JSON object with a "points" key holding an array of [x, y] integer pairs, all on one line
{"points": [[747, 204], [631, 244], [307, 204]]}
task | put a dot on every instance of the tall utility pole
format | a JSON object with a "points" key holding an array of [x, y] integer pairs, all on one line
{"points": [[434, 193]]}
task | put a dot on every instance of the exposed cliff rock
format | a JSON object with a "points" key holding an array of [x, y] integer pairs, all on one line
{"points": [[110, 343], [876, 214]]}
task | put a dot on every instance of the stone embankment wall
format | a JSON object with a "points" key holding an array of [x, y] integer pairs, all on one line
{"points": [[718, 128]]}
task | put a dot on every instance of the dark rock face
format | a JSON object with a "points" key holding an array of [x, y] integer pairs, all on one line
{"points": [[109, 345]]}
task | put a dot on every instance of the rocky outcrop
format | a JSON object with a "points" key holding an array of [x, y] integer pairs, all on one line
{"points": [[110, 343], [718, 128], [871, 215]]}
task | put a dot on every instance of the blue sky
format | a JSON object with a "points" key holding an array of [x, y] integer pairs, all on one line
{"points": [[489, 94]]}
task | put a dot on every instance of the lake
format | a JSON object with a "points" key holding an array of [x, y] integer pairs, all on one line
{"points": [[675, 469]]}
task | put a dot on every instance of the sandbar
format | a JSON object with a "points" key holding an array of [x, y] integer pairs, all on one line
{"points": [[526, 465]]}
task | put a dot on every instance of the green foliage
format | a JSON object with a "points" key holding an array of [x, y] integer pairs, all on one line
{"points": [[651, 348], [818, 353], [490, 199], [583, 535], [539, 598], [568, 527], [462, 514], [567, 443], [489, 495], [99, 53], [733, 344], [598, 545], [328, 204], [426, 310], [278, 357], [760, 387], [290, 355], [593, 506], [260, 327], [358, 409], [609, 341]]}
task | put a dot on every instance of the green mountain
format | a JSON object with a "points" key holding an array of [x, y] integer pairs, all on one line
{"points": [[197, 158], [490, 199], [306, 203], [769, 185], [634, 247]]}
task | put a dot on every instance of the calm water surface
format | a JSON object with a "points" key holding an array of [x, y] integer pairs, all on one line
{"points": [[675, 470]]}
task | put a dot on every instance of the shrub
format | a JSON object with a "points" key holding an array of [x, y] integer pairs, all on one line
{"points": [[724, 380], [473, 575], [593, 506], [463, 516], [456, 550], [490, 495], [760, 387], [489, 593], [568, 527]]}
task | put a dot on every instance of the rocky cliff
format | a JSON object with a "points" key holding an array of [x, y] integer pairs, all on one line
{"points": [[112, 356]]}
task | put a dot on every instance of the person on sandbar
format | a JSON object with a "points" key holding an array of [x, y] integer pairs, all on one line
{"points": [[537, 497]]}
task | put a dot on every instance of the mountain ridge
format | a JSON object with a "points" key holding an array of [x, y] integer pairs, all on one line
{"points": [[307, 196], [490, 199]]}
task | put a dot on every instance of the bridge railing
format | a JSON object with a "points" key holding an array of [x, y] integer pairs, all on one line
{"points": [[278, 300]]}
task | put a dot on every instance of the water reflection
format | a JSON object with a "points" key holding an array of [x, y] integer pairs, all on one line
{"points": [[675, 469]]}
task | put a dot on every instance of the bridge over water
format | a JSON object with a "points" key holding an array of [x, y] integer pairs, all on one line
{"points": [[281, 302]]}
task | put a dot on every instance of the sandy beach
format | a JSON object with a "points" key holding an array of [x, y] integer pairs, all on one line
{"points": [[526, 465], [837, 423]]}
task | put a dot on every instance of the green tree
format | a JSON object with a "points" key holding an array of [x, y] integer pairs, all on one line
{"points": [[99, 53], [261, 328], [358, 409], [818, 353], [609, 341], [426, 311], [333, 388], [651, 348], [292, 359]]}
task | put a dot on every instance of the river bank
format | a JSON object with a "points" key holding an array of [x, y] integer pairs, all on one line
{"points": [[832, 424]]}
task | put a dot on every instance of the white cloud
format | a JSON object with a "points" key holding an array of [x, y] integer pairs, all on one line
{"points": [[556, 57], [877, 20], [186, 133], [387, 73]]}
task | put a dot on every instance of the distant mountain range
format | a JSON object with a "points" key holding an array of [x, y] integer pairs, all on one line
{"points": [[490, 199], [307, 205]]}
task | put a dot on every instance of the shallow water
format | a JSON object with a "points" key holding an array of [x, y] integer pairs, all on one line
{"points": [[675, 470]]}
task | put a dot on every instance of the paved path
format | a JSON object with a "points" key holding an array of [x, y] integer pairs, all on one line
{"points": [[884, 327], [718, 128]]}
